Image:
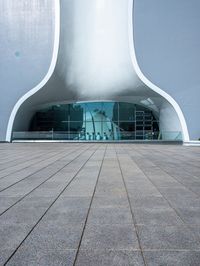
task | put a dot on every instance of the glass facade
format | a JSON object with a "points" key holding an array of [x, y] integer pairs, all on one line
{"points": [[96, 121]]}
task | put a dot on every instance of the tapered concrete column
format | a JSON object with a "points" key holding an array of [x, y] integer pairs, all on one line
{"points": [[94, 59]]}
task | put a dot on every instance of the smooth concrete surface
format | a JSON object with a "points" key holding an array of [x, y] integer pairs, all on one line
{"points": [[99, 204], [97, 65], [166, 38]]}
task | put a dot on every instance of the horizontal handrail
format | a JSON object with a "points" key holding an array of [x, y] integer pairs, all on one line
{"points": [[82, 135]]}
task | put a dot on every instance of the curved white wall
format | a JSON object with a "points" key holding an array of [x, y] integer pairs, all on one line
{"points": [[168, 121], [26, 46], [96, 60]]}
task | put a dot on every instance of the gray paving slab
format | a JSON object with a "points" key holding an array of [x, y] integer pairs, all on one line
{"points": [[99, 204], [149, 201], [195, 229], [109, 201], [109, 257], [110, 215], [157, 216], [107, 236], [172, 258], [54, 236], [190, 215], [168, 237], [43, 257]]}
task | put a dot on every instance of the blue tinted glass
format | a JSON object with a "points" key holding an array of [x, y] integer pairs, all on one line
{"points": [[97, 121], [77, 112], [110, 110], [93, 111], [126, 112]]}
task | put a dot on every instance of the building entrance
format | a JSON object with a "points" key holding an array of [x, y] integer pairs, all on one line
{"points": [[94, 121]]}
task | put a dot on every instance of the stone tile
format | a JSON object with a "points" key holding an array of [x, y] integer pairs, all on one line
{"points": [[108, 202], [32, 257], [35, 202], [48, 236], [5, 254], [140, 194], [109, 188], [172, 258], [66, 216], [178, 193], [79, 192], [6, 202], [109, 237], [156, 216], [11, 235], [167, 237], [184, 203], [195, 230], [17, 215], [111, 192], [150, 201], [195, 188], [109, 257], [110, 216], [190, 215], [64, 202]]}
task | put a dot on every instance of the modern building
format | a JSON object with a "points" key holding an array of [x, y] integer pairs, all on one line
{"points": [[99, 70]]}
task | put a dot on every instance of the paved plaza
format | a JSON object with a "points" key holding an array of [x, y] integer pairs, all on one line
{"points": [[99, 204]]}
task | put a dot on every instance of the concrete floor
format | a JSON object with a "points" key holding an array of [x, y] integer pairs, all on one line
{"points": [[99, 204]]}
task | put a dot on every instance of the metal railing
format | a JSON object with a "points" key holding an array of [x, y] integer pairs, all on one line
{"points": [[82, 136]]}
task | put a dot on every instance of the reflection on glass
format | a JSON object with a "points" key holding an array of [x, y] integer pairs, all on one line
{"points": [[76, 112], [110, 110], [97, 121], [126, 112]]}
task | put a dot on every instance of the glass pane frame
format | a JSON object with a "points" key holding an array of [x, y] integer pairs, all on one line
{"points": [[98, 120]]}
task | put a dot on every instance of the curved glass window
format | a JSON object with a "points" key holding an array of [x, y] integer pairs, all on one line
{"points": [[97, 121]]}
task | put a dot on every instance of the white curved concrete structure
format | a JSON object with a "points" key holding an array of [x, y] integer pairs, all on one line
{"points": [[165, 109], [94, 59], [97, 66]]}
